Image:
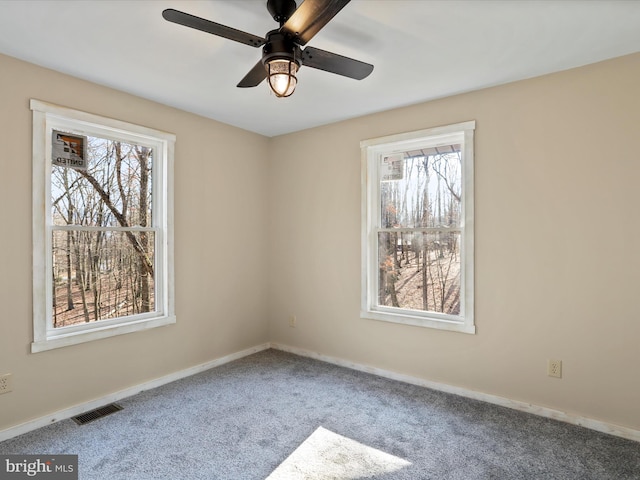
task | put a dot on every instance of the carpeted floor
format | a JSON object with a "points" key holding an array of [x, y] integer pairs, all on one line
{"points": [[240, 421]]}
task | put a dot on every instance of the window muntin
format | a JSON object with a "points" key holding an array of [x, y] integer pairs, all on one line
{"points": [[102, 233], [418, 228]]}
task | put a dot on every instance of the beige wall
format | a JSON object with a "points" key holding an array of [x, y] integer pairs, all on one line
{"points": [[556, 268], [557, 244], [220, 253]]}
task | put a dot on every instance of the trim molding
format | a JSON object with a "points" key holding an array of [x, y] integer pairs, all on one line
{"points": [[127, 392], [597, 425]]}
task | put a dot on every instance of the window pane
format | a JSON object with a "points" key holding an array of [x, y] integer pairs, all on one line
{"points": [[115, 190], [421, 188], [419, 271], [101, 275]]}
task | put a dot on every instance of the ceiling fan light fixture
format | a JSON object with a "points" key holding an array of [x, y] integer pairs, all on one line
{"points": [[281, 75], [282, 55]]}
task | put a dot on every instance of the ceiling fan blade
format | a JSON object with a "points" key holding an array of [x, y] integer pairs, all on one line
{"points": [[310, 17], [334, 63], [181, 18], [255, 76]]}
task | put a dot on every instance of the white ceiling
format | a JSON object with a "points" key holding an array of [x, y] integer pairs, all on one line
{"points": [[421, 49]]}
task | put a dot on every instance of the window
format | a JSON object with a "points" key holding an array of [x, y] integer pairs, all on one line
{"points": [[417, 228], [102, 227]]}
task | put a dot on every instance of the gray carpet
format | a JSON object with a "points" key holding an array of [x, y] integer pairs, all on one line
{"points": [[240, 421]]}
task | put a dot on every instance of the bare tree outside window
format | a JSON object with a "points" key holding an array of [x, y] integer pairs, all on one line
{"points": [[103, 253], [418, 244]]}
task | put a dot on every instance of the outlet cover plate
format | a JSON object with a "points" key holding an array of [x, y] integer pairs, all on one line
{"points": [[554, 368], [6, 384]]}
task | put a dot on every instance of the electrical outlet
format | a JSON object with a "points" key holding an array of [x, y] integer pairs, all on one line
{"points": [[5, 383], [554, 368], [293, 321]]}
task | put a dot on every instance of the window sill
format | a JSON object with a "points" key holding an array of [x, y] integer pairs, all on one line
{"points": [[75, 338], [417, 321]]}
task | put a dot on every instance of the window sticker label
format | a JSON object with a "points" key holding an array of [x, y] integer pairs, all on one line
{"points": [[69, 150], [392, 167]]}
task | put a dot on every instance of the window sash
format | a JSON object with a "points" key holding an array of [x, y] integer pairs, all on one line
{"points": [[374, 279], [157, 287]]}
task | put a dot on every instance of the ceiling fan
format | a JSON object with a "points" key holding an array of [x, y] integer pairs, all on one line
{"points": [[281, 52]]}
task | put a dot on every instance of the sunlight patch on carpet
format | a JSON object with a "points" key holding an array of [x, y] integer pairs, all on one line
{"points": [[327, 455]]}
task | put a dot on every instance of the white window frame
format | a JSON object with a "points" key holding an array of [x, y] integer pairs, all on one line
{"points": [[371, 152], [48, 117]]}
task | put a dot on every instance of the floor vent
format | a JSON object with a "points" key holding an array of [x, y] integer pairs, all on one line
{"points": [[96, 414]]}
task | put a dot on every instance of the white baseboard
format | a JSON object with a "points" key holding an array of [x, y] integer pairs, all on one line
{"points": [[600, 426], [127, 392]]}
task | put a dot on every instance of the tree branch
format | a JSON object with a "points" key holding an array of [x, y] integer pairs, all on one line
{"points": [[121, 220]]}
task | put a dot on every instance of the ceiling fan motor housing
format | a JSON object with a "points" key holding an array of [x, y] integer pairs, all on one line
{"points": [[280, 46]]}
